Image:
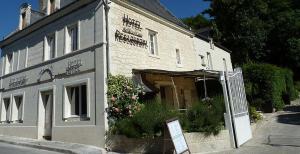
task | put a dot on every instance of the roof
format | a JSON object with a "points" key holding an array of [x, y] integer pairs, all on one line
{"points": [[195, 73], [154, 6]]}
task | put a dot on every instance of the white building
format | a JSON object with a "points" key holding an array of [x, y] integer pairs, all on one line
{"points": [[54, 67]]}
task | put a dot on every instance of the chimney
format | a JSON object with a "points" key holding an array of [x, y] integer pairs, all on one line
{"points": [[25, 13]]}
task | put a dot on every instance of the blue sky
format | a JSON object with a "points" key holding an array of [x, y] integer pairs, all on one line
{"points": [[9, 11]]}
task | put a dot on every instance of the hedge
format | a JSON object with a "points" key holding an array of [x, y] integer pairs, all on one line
{"points": [[268, 86]]}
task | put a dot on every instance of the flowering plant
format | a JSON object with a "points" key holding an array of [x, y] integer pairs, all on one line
{"points": [[123, 96]]}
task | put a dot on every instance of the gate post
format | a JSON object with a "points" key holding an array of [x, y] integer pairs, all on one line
{"points": [[227, 115]]}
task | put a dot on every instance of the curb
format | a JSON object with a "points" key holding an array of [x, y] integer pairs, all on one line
{"points": [[39, 147]]}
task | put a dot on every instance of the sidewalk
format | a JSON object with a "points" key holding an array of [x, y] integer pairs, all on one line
{"points": [[68, 148]]}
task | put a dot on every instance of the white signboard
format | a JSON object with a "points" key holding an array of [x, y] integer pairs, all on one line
{"points": [[177, 136]]}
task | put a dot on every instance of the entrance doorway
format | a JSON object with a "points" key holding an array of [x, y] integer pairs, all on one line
{"points": [[46, 114]]}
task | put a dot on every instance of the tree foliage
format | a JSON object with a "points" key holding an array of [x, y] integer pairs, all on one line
{"points": [[197, 22], [259, 30]]}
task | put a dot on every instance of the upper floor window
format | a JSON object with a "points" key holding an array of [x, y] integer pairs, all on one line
{"points": [[209, 61], [23, 20], [202, 60], [49, 49], [72, 38], [153, 43], [178, 57], [8, 63], [52, 6]]}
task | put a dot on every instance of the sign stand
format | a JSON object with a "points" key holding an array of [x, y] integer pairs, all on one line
{"points": [[173, 131]]}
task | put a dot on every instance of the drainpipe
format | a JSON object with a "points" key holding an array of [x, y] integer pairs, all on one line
{"points": [[106, 9]]}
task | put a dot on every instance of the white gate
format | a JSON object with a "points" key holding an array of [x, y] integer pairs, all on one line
{"points": [[238, 106]]}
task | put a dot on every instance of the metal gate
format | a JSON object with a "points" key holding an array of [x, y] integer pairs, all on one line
{"points": [[238, 106]]}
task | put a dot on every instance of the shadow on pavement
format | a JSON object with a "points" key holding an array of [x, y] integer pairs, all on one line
{"points": [[292, 115], [282, 140], [292, 109]]}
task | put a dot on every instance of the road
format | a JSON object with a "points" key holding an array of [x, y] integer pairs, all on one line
{"points": [[13, 149], [278, 134]]}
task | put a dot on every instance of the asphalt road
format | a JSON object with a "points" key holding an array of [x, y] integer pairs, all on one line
{"points": [[13, 149], [279, 134]]}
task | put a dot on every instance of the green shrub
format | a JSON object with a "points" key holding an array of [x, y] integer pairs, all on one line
{"points": [[297, 87], [254, 115], [273, 85], [206, 116], [149, 122]]}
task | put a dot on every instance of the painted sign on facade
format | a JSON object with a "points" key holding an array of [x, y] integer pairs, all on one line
{"points": [[131, 33]]}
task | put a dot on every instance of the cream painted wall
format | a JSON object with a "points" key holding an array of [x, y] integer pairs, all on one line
{"points": [[217, 55], [125, 57]]}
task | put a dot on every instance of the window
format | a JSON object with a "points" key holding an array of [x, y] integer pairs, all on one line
{"points": [[76, 105], [153, 43], [17, 109], [5, 114], [209, 61], [72, 38], [225, 65], [8, 63], [26, 58], [52, 6], [23, 20], [49, 49], [178, 57], [202, 60]]}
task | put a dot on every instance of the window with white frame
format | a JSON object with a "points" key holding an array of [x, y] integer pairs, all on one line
{"points": [[50, 46], [153, 43], [178, 57], [17, 109], [209, 61], [202, 58], [72, 38], [76, 101], [8, 63], [52, 6], [225, 65], [5, 113]]}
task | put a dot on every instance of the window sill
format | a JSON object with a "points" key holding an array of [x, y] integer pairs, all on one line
{"points": [[76, 118], [179, 65], [154, 56]]}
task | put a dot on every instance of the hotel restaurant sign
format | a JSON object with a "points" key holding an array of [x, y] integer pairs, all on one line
{"points": [[131, 33]]}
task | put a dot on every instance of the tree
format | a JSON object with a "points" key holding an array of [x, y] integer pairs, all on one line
{"points": [[197, 22], [259, 30]]}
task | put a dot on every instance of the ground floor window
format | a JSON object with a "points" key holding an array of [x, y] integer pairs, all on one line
{"points": [[5, 113], [17, 111], [76, 102]]}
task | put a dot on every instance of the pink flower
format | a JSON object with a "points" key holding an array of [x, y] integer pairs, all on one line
{"points": [[113, 99], [133, 97]]}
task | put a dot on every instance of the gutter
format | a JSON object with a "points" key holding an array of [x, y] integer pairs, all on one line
{"points": [[106, 9]]}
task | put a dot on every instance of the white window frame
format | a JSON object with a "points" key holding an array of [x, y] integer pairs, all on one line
{"points": [[67, 104], [178, 54], [9, 69], [209, 61], [26, 58], [56, 6], [68, 43], [155, 45], [15, 117], [47, 48], [5, 114], [202, 59]]}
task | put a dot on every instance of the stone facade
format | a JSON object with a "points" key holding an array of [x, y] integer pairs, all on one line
{"points": [[27, 74]]}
